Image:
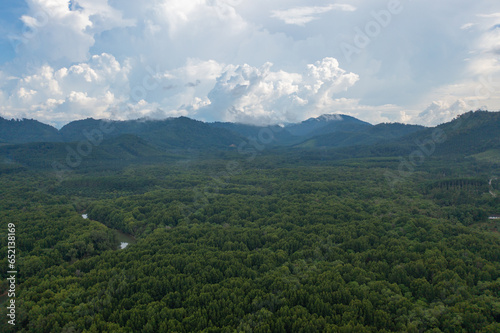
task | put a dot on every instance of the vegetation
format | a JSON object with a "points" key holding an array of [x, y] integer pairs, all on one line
{"points": [[293, 240]]}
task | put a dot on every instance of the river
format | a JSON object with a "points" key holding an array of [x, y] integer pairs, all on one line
{"points": [[123, 238]]}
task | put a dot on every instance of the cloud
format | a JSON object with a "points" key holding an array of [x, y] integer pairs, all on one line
{"points": [[179, 16], [259, 95], [479, 82], [440, 112], [490, 43], [159, 58], [56, 32], [491, 15], [63, 94], [193, 84], [105, 88], [302, 15], [467, 26], [190, 85]]}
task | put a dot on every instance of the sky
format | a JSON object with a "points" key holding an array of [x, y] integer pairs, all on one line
{"points": [[256, 62]]}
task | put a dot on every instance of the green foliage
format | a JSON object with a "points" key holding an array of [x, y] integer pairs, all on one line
{"points": [[291, 240], [295, 248]]}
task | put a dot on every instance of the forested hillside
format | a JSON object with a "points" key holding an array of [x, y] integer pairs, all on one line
{"points": [[185, 133], [26, 130], [362, 136]]}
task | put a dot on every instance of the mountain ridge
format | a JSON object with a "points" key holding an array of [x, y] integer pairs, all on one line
{"points": [[15, 131], [471, 133]]}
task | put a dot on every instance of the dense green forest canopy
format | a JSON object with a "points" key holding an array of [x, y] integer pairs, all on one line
{"points": [[283, 240]]}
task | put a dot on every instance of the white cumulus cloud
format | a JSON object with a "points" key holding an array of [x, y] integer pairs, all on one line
{"points": [[59, 95], [259, 95]]}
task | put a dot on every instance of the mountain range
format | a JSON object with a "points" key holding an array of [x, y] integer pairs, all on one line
{"points": [[27, 140], [184, 132]]}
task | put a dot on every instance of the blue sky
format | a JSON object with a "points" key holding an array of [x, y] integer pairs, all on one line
{"points": [[256, 62]]}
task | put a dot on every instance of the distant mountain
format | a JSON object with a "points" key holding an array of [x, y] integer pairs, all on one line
{"points": [[280, 136], [470, 133], [79, 130], [27, 130], [473, 134], [363, 135], [187, 133], [325, 124], [179, 132], [184, 132]]}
